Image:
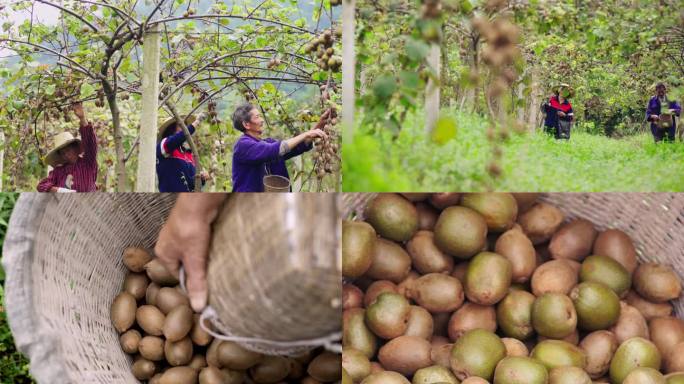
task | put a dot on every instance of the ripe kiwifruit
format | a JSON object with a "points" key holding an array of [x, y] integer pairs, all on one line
{"points": [[498, 209], [426, 257], [135, 258], [555, 276], [169, 298], [211, 375], [178, 352], [151, 348], [603, 269], [420, 323], [271, 369], [618, 246], [644, 375], [352, 296], [198, 335], [437, 292], [326, 367], [405, 286], [525, 200], [444, 199], [573, 240], [514, 314], [568, 375], [518, 249], [356, 364], [387, 317], [178, 375], [675, 378], [405, 354], [355, 332], [385, 377], [198, 362], [471, 316], [647, 308], [433, 375], [233, 356], [520, 370], [123, 311], [597, 306], [143, 369], [460, 232], [158, 273], [150, 319], [553, 315], [630, 324], [389, 262], [674, 361], [657, 282], [136, 284], [477, 353], [488, 278], [129, 341], [540, 222], [358, 242], [178, 323], [151, 293], [392, 216], [633, 353], [557, 353], [376, 288], [441, 354], [427, 216], [666, 332], [460, 270], [474, 380], [414, 197], [599, 347], [515, 347]]}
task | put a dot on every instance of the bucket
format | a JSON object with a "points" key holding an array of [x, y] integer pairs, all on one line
{"points": [[275, 183]]}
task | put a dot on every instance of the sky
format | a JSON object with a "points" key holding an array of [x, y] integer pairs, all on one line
{"points": [[43, 13]]}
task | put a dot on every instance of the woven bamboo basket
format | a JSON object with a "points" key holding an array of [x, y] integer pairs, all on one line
{"points": [[62, 257]]}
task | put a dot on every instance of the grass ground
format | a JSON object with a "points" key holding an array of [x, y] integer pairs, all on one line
{"points": [[530, 162]]}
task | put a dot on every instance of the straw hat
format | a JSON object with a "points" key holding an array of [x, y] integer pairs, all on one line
{"points": [[569, 88], [188, 119], [61, 141]]}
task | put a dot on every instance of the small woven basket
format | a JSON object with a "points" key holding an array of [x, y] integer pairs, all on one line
{"points": [[62, 258]]}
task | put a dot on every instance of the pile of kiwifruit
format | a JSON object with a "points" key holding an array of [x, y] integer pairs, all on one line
{"points": [[323, 46], [326, 157], [501, 288], [157, 326]]}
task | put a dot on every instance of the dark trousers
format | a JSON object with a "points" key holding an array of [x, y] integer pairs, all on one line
{"points": [[663, 134]]}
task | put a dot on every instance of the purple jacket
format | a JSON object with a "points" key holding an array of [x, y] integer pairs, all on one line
{"points": [[654, 109], [251, 158]]}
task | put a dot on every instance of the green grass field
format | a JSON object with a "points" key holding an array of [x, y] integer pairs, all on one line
{"points": [[530, 162]]}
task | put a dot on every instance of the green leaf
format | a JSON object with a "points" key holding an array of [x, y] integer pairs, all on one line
{"points": [[416, 50], [384, 87], [87, 90], [445, 130]]}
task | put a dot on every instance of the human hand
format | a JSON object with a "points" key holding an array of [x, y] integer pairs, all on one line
{"points": [[65, 190], [316, 133], [204, 175], [561, 113], [185, 238], [655, 117], [78, 111]]}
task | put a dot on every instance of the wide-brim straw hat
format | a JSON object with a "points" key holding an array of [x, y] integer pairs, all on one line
{"points": [[61, 141], [188, 120], [568, 87]]}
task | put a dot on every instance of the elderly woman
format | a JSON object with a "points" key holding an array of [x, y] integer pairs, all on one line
{"points": [[658, 106], [175, 163], [74, 160], [559, 114], [254, 157]]}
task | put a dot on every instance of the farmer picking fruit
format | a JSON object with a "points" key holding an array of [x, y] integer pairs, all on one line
{"points": [[74, 160], [559, 114], [662, 119]]}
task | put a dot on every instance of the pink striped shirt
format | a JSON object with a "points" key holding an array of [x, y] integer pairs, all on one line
{"points": [[83, 173]]}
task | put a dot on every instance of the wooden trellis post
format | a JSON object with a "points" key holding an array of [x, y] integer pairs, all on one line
{"points": [[348, 68], [432, 89]]}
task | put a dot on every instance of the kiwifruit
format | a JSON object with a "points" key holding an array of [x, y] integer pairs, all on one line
{"points": [[498, 209], [129, 341], [630, 324], [568, 375], [420, 323], [211, 375], [618, 246], [515, 347], [385, 377], [123, 311], [471, 316], [376, 288], [666, 332], [352, 296], [136, 284], [633, 353], [197, 362], [647, 308], [356, 364], [558, 353], [392, 216], [151, 348], [440, 323], [405, 354], [433, 375], [233, 356], [169, 298], [358, 242], [178, 352], [426, 257], [657, 282], [460, 232], [674, 360], [271, 369], [155, 379], [474, 380], [488, 278], [553, 315], [514, 314], [387, 317], [477, 353], [427, 216], [573, 240], [597, 306], [198, 335], [572, 338], [603, 269], [150, 319], [518, 249], [441, 354], [437, 292], [555, 276], [525, 200], [415, 197], [644, 375], [540, 222], [460, 270], [406, 285], [376, 367], [158, 273], [675, 378], [326, 367], [151, 293], [143, 369], [212, 353], [135, 258], [520, 370], [179, 375], [599, 346], [444, 199], [389, 262], [355, 332], [177, 323]]}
